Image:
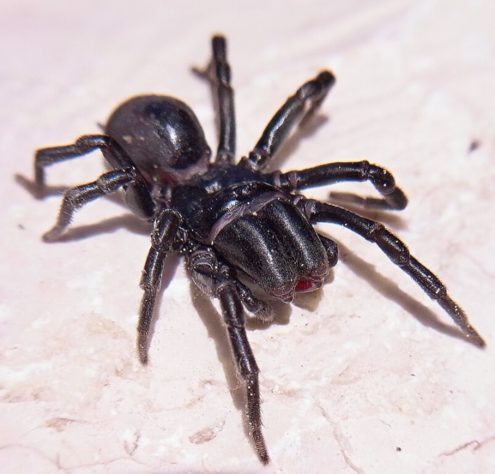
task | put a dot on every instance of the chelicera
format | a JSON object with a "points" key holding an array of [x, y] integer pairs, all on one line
{"points": [[229, 218]]}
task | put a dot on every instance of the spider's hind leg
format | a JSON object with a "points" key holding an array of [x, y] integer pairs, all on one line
{"points": [[218, 74], [296, 109], [85, 144], [214, 279]]}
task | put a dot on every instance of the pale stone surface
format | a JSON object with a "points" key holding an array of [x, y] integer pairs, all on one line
{"points": [[362, 377]]}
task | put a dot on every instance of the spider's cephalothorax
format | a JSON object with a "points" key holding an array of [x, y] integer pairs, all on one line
{"points": [[226, 217]]}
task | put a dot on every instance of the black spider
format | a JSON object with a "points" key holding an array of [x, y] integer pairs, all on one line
{"points": [[226, 217]]}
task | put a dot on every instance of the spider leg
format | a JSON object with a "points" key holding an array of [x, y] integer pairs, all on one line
{"points": [[397, 252], [86, 144], [261, 310], [213, 278], [331, 248], [76, 197], [296, 109], [218, 74], [125, 175], [383, 181], [165, 229]]}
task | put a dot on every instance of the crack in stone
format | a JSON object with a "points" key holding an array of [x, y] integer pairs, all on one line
{"points": [[207, 434], [475, 444], [343, 442]]}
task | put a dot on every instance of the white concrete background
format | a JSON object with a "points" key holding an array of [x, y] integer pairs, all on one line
{"points": [[368, 375]]}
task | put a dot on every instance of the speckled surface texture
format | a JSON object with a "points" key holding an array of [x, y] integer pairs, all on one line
{"points": [[367, 376]]}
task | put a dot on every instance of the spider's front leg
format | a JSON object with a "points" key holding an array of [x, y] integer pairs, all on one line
{"points": [[397, 252], [214, 279], [383, 181]]}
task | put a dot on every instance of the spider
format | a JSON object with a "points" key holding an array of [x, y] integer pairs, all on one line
{"points": [[231, 219]]}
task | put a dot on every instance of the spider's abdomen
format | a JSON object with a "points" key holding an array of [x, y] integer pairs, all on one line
{"points": [[162, 136]]}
